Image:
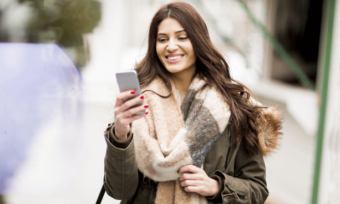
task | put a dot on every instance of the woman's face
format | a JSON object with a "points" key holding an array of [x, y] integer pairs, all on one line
{"points": [[174, 48]]}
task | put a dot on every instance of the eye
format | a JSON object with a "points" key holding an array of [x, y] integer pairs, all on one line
{"points": [[161, 39], [183, 38]]}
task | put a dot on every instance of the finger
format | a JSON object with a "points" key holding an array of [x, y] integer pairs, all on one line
{"points": [[189, 168], [190, 176], [123, 95], [135, 101], [193, 189], [122, 118], [189, 183], [128, 104], [133, 111], [127, 121]]}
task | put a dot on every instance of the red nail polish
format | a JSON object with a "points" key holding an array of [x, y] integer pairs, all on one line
{"points": [[142, 97], [146, 113], [133, 92], [146, 106]]}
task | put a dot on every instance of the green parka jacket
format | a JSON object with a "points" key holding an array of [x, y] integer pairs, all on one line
{"points": [[242, 179]]}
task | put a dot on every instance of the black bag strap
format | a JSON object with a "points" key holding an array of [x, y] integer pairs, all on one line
{"points": [[101, 195]]}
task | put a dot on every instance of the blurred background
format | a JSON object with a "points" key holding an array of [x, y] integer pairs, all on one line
{"points": [[58, 60]]}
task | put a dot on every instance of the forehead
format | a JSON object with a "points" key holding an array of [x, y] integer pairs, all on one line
{"points": [[169, 25]]}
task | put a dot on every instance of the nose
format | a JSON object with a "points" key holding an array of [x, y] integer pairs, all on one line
{"points": [[172, 46]]}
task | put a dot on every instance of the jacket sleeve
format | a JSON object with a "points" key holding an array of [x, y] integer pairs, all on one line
{"points": [[248, 185], [121, 173]]}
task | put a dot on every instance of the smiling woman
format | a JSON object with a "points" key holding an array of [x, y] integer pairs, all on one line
{"points": [[175, 51], [174, 48], [205, 137]]}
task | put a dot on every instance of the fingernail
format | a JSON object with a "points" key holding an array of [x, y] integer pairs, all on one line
{"points": [[133, 92], [146, 106], [142, 97], [146, 113]]}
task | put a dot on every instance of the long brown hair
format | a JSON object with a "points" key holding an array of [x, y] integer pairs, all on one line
{"points": [[210, 65]]}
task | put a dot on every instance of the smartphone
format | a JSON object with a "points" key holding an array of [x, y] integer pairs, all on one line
{"points": [[129, 81]]}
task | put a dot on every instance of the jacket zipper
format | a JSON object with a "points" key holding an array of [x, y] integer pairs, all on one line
{"points": [[236, 197]]}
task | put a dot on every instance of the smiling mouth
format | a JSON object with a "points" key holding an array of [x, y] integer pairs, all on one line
{"points": [[173, 59]]}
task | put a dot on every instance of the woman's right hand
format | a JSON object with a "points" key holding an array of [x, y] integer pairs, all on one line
{"points": [[124, 115]]}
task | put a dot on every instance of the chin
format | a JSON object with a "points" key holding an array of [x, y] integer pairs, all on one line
{"points": [[173, 71], [172, 68]]}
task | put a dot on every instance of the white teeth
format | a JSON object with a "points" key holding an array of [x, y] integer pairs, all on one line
{"points": [[174, 58]]}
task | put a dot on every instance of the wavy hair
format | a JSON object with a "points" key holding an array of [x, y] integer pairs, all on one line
{"points": [[210, 66]]}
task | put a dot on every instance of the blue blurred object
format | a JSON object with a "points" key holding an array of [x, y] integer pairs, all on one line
{"points": [[36, 83]]}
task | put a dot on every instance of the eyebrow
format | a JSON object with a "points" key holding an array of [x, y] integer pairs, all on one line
{"points": [[179, 31]]}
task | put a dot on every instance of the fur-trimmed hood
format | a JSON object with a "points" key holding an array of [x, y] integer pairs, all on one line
{"points": [[268, 126]]}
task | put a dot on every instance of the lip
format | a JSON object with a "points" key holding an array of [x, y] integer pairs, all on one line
{"points": [[173, 55], [173, 60]]}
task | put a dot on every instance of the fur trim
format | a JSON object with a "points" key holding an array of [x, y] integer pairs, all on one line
{"points": [[268, 126]]}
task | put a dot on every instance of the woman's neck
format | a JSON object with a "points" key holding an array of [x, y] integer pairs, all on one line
{"points": [[182, 83], [182, 87]]}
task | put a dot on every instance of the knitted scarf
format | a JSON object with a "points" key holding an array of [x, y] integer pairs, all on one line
{"points": [[174, 134]]}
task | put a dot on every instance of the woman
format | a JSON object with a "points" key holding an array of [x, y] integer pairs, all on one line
{"points": [[202, 138]]}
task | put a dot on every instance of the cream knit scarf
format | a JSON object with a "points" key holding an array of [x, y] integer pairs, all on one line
{"points": [[175, 134]]}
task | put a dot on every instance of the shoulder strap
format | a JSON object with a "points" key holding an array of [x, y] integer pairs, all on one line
{"points": [[101, 195]]}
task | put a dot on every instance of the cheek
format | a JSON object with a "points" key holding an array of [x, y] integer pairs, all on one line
{"points": [[189, 50], [191, 55], [159, 50]]}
